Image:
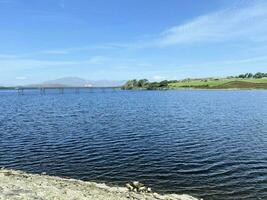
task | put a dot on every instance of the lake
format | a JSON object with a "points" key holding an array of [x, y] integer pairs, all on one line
{"points": [[209, 144]]}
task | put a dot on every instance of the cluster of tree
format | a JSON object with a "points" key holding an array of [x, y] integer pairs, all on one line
{"points": [[134, 84], [6, 88], [144, 84], [250, 75]]}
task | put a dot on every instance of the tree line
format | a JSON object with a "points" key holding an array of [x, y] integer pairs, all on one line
{"points": [[250, 75], [144, 84]]}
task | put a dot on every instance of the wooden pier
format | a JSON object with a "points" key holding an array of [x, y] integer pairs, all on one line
{"points": [[61, 90]]}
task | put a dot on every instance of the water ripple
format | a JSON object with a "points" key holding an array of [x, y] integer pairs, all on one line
{"points": [[210, 144]]}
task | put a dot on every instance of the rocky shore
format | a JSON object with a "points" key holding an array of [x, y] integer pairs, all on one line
{"points": [[18, 185]]}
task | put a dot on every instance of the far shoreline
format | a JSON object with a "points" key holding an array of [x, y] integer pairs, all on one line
{"points": [[168, 89], [247, 81]]}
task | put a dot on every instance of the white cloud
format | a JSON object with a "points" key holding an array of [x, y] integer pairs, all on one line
{"points": [[245, 22], [97, 60], [56, 52], [158, 78], [70, 50], [11, 63], [248, 22], [12, 56], [21, 78]]}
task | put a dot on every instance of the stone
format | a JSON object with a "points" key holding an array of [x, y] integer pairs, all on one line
{"points": [[130, 188], [136, 184], [142, 189], [157, 196], [8, 173]]}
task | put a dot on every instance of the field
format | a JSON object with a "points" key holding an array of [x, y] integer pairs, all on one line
{"points": [[221, 83]]}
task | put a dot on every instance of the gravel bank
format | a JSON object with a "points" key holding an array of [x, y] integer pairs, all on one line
{"points": [[18, 185]]}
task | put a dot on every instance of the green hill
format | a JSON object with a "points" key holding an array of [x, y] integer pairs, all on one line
{"points": [[221, 83], [204, 83]]}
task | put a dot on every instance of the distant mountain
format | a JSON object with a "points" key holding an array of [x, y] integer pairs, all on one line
{"points": [[79, 82], [69, 81], [46, 85], [106, 83]]}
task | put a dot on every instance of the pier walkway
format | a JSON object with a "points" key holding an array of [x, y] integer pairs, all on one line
{"points": [[61, 90]]}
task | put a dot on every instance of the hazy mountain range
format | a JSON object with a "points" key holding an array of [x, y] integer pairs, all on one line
{"points": [[78, 82]]}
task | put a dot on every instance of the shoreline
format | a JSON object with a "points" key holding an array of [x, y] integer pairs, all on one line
{"points": [[218, 89], [167, 89], [15, 184]]}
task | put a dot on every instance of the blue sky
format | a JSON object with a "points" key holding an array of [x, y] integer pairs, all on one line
{"points": [[119, 40]]}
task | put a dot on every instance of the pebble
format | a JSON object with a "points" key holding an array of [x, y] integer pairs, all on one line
{"points": [[129, 187], [135, 183]]}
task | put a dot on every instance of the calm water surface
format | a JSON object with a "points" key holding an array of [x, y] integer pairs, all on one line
{"points": [[210, 144]]}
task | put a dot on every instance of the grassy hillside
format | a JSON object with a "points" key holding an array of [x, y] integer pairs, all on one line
{"points": [[242, 85], [205, 83], [220, 83], [197, 83]]}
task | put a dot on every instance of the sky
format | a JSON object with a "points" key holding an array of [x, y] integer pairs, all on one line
{"points": [[119, 40]]}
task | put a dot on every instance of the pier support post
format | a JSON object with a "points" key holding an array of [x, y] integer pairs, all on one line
{"points": [[61, 90], [42, 91], [20, 91]]}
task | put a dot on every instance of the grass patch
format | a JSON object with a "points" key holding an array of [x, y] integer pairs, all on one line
{"points": [[221, 83]]}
